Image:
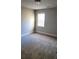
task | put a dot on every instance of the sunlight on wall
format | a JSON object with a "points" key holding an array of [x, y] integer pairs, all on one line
{"points": [[27, 21]]}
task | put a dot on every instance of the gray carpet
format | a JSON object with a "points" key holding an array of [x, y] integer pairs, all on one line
{"points": [[36, 46]]}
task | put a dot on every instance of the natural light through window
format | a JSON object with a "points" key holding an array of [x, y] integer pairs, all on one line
{"points": [[41, 19]]}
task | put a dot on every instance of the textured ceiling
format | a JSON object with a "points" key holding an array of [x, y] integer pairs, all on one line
{"points": [[43, 4]]}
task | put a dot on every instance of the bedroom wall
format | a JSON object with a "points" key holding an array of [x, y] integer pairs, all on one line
{"points": [[50, 21], [27, 21]]}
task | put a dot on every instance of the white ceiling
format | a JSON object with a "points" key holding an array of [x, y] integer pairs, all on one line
{"points": [[43, 4]]}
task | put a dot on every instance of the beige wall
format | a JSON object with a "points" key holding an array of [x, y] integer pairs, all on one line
{"points": [[50, 21], [27, 21]]}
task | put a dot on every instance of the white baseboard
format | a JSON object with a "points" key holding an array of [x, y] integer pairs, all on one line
{"points": [[53, 35], [22, 35]]}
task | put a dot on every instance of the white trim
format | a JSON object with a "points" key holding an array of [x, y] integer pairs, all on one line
{"points": [[24, 34], [47, 34]]}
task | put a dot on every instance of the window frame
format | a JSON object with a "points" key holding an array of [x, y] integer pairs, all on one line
{"points": [[41, 19]]}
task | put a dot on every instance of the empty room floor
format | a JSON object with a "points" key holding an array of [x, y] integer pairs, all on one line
{"points": [[37, 46]]}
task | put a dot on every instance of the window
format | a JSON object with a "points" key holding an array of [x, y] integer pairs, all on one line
{"points": [[41, 19]]}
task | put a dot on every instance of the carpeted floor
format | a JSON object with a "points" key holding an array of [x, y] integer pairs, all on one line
{"points": [[36, 46]]}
